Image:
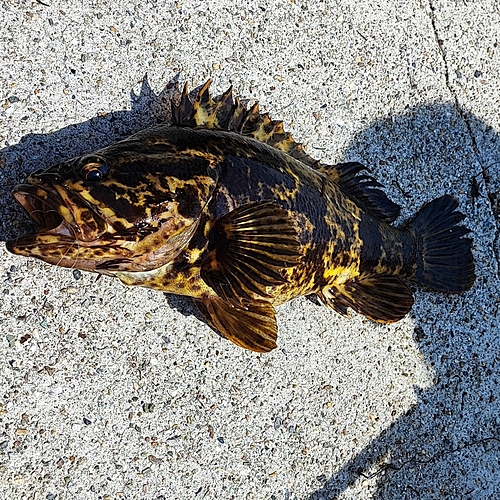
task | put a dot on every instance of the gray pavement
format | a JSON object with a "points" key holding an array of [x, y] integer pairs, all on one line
{"points": [[109, 392]]}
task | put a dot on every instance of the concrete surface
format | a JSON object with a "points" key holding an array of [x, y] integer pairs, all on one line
{"points": [[108, 392]]}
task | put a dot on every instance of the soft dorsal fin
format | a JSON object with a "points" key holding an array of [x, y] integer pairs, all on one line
{"points": [[363, 189], [228, 113]]}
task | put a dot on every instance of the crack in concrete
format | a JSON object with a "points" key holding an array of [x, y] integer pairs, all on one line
{"points": [[461, 111], [465, 117], [441, 454]]}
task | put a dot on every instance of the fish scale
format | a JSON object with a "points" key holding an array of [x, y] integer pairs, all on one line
{"points": [[222, 205]]}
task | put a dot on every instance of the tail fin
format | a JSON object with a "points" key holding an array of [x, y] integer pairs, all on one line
{"points": [[444, 258]]}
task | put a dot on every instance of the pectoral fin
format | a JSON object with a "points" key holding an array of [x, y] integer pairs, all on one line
{"points": [[249, 249], [252, 327]]}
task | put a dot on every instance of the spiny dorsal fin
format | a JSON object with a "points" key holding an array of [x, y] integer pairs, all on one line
{"points": [[228, 113], [363, 189]]}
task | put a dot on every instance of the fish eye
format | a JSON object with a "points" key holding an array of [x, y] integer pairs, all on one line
{"points": [[95, 171]]}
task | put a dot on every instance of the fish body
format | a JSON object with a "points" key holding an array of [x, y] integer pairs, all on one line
{"points": [[223, 206]]}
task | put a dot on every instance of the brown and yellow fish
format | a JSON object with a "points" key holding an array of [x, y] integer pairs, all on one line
{"points": [[223, 206]]}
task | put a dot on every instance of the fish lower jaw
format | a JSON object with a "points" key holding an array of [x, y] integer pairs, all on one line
{"points": [[147, 278]]}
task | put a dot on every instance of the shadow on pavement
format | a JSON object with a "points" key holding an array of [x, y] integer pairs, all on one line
{"points": [[448, 444]]}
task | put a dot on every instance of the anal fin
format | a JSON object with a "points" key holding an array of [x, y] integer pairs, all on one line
{"points": [[252, 327], [333, 299], [381, 298]]}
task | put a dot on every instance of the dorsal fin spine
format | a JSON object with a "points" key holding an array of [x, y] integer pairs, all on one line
{"points": [[228, 113]]}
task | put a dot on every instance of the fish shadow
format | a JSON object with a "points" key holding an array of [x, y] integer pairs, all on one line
{"points": [[185, 306], [40, 151], [447, 445], [428, 441]]}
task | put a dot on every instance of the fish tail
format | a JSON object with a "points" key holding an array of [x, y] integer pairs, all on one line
{"points": [[444, 259]]}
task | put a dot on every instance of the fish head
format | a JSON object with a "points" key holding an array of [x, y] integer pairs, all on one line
{"points": [[119, 209]]}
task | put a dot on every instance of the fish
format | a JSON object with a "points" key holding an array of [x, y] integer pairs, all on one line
{"points": [[221, 204]]}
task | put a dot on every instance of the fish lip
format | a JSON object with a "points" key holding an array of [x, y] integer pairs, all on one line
{"points": [[45, 208]]}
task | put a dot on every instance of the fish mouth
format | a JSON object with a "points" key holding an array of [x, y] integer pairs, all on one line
{"points": [[70, 232], [57, 214], [46, 209]]}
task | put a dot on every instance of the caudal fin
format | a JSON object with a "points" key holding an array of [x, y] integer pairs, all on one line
{"points": [[444, 257]]}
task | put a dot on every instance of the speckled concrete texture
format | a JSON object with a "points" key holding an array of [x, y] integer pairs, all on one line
{"points": [[109, 392]]}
